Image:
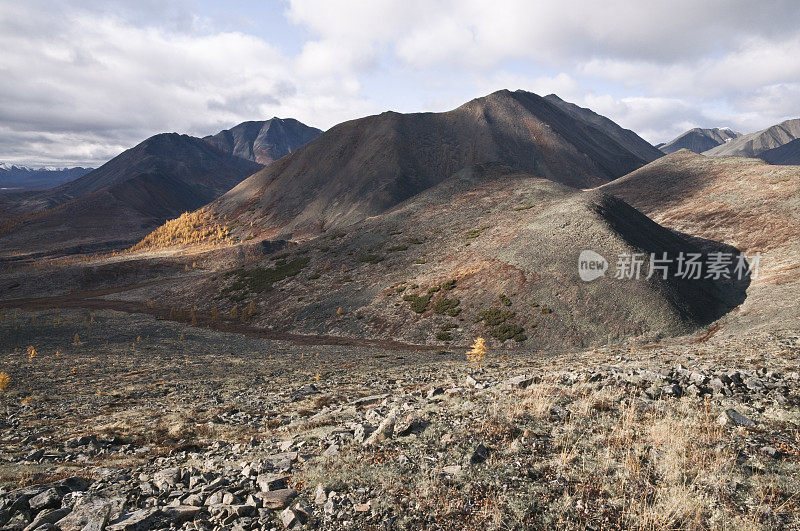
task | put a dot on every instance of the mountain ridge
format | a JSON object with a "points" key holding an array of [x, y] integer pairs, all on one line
{"points": [[753, 144], [700, 140], [362, 167]]}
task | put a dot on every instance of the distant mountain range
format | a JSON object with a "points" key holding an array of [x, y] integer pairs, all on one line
{"points": [[139, 189], [700, 140], [788, 153], [27, 178], [754, 144], [263, 142], [363, 167]]}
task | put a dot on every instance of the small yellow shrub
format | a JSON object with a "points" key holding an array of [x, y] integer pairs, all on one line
{"points": [[5, 379], [476, 355]]}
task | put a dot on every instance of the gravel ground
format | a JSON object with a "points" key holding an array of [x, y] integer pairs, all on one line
{"points": [[142, 423]]}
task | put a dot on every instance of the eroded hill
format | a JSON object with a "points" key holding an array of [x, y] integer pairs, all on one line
{"points": [[490, 252]]}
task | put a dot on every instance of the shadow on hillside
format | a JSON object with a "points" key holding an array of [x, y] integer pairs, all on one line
{"points": [[725, 294]]}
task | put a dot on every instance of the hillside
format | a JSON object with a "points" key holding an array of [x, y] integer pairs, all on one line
{"points": [[754, 144], [788, 153], [742, 202], [363, 167], [700, 140], [491, 245], [265, 141], [625, 137], [125, 198]]}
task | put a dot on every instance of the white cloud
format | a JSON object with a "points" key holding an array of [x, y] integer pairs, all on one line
{"points": [[83, 79], [93, 84]]}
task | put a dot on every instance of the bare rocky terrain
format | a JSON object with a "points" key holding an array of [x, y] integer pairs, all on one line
{"points": [[142, 423]]}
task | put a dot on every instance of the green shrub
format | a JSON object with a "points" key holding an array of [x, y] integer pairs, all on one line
{"points": [[546, 310], [434, 289], [414, 241], [397, 248], [448, 326], [418, 303], [261, 279], [444, 336], [494, 316], [508, 331], [336, 235], [504, 300], [448, 306], [447, 285], [474, 233]]}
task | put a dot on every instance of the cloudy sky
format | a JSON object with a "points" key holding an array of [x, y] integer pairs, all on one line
{"points": [[82, 80]]}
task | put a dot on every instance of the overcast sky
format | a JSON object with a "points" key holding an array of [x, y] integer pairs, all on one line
{"points": [[82, 80]]}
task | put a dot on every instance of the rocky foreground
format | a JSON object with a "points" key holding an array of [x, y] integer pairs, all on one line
{"points": [[144, 424]]}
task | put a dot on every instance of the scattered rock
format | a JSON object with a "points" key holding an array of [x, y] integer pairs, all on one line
{"points": [[480, 455], [385, 429], [278, 499], [734, 417]]}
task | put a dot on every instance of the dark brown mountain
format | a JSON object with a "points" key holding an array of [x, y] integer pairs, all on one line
{"points": [[131, 194], [699, 140], [625, 137], [788, 153], [263, 142], [754, 144], [363, 167]]}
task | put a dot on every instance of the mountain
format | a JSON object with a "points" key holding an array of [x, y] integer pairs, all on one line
{"points": [[363, 167], [788, 153], [738, 201], [491, 251], [699, 140], [25, 178], [754, 144], [128, 196], [263, 142], [625, 137]]}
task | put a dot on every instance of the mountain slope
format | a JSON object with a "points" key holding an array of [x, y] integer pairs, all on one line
{"points": [[119, 202], [754, 144], [742, 202], [491, 251], [263, 142], [699, 140], [363, 167], [625, 137], [788, 153]]}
